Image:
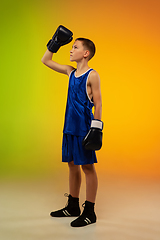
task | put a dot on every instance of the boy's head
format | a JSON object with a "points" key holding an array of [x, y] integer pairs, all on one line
{"points": [[87, 45]]}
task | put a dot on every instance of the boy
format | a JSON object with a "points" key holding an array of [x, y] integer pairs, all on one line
{"points": [[82, 133]]}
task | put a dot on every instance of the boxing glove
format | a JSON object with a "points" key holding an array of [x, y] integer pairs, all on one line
{"points": [[61, 37], [93, 139]]}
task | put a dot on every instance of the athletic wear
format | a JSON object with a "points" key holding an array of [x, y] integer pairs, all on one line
{"points": [[72, 208], [78, 114], [61, 37], [93, 139], [88, 216], [77, 123], [72, 150]]}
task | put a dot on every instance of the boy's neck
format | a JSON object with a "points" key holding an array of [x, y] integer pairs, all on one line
{"points": [[81, 68]]}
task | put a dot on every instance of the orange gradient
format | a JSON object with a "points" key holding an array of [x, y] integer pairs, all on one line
{"points": [[127, 37]]}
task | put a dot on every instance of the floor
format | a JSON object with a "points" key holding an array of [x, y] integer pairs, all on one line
{"points": [[127, 209]]}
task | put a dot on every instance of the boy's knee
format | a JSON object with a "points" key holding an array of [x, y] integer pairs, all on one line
{"points": [[71, 164], [87, 168], [73, 167]]}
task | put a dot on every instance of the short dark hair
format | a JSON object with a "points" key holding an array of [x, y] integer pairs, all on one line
{"points": [[89, 45]]}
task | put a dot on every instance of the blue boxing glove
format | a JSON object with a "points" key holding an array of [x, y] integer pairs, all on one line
{"points": [[61, 37], [93, 139]]}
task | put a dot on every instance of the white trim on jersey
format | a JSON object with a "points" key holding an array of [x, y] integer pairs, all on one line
{"points": [[86, 87], [70, 73], [81, 74]]}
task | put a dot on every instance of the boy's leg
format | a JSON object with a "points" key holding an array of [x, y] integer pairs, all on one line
{"points": [[72, 208], [88, 216], [74, 179], [91, 182]]}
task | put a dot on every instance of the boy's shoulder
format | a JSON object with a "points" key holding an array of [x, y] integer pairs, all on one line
{"points": [[70, 69], [94, 74], [94, 78]]}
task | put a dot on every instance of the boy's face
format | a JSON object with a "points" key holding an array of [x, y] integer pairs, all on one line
{"points": [[78, 52]]}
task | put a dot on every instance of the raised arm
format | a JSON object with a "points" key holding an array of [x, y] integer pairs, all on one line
{"points": [[61, 37], [47, 60]]}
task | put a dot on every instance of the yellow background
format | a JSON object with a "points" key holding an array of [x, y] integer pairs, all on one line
{"points": [[33, 97]]}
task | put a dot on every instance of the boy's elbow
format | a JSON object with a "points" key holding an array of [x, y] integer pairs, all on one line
{"points": [[43, 61]]}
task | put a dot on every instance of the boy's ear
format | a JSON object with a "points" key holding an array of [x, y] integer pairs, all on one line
{"points": [[86, 54]]}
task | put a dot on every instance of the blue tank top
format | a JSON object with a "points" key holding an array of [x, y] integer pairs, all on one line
{"points": [[78, 114]]}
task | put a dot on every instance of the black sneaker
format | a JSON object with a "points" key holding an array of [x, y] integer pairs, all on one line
{"points": [[88, 216], [72, 208]]}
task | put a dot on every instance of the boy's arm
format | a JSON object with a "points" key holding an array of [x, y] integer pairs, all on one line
{"points": [[93, 139], [96, 93], [61, 37], [47, 60]]}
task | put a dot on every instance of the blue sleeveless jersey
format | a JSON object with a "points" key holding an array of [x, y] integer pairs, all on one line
{"points": [[78, 114]]}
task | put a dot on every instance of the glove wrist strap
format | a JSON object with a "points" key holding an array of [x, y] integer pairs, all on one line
{"points": [[97, 124], [53, 46]]}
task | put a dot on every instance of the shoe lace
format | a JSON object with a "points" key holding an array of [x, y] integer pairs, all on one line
{"points": [[66, 195], [83, 205], [84, 210]]}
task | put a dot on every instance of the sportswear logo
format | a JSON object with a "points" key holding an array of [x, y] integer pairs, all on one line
{"points": [[66, 213], [87, 220]]}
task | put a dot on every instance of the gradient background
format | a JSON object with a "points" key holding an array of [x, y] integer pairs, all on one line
{"points": [[33, 97]]}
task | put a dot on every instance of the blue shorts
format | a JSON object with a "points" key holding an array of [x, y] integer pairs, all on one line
{"points": [[72, 150]]}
